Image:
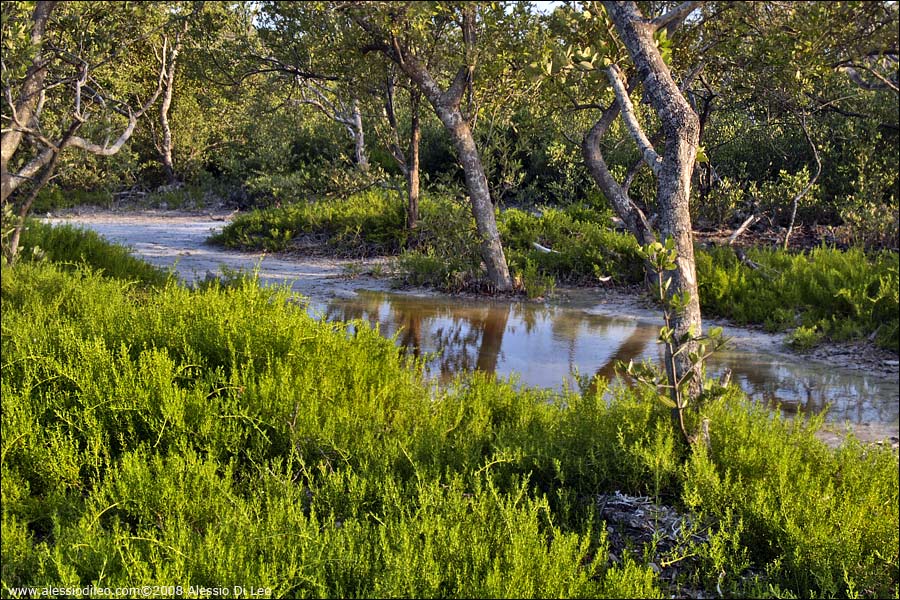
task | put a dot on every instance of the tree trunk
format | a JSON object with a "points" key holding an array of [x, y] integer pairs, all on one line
{"points": [[480, 197], [166, 149], [359, 138], [446, 104], [13, 249], [412, 168], [681, 127], [634, 219], [28, 97]]}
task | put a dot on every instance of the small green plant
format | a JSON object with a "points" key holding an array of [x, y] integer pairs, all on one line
{"points": [[535, 284], [673, 388], [804, 338]]}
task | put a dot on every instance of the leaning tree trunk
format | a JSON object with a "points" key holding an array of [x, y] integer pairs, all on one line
{"points": [[479, 195], [673, 170], [446, 104], [12, 250], [633, 217]]}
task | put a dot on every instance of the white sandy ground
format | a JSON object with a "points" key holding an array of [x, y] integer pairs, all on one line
{"points": [[166, 238]]}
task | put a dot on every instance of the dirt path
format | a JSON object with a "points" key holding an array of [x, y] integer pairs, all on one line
{"points": [[175, 239]]}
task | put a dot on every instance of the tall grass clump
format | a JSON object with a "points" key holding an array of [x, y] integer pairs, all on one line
{"points": [[825, 293], [223, 437]]}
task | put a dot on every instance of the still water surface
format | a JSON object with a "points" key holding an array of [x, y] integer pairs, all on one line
{"points": [[545, 346]]}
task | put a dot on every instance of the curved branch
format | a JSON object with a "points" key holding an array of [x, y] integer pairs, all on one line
{"points": [[631, 215], [651, 157], [809, 184]]}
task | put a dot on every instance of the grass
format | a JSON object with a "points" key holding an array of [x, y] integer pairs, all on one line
{"points": [[212, 438], [824, 294], [366, 223]]}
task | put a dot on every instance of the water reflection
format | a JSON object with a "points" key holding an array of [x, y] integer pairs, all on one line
{"points": [[544, 346]]}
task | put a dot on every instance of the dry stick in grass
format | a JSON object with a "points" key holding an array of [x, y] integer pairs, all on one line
{"points": [[737, 232]]}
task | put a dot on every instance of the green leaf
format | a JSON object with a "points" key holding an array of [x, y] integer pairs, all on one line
{"points": [[701, 155]]}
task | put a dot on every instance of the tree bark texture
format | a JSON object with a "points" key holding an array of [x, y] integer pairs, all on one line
{"points": [[359, 137], [681, 128], [634, 218], [412, 167]]}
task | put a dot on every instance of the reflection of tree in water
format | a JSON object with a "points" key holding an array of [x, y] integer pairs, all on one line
{"points": [[466, 336], [630, 349]]}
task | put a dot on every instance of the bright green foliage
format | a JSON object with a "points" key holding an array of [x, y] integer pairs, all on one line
{"points": [[212, 438], [583, 241], [445, 240], [784, 502], [835, 294]]}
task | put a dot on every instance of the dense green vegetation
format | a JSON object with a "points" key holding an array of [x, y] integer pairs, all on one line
{"points": [[220, 436], [209, 438], [443, 252], [824, 294], [71, 248]]}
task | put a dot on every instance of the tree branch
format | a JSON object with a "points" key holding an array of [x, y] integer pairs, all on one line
{"points": [[674, 16], [628, 211], [809, 184], [651, 157]]}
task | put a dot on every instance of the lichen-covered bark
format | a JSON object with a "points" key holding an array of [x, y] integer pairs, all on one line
{"points": [[479, 195]]}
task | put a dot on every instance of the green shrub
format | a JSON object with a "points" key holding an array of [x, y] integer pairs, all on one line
{"points": [[792, 506], [582, 241], [365, 223], [828, 293]]}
